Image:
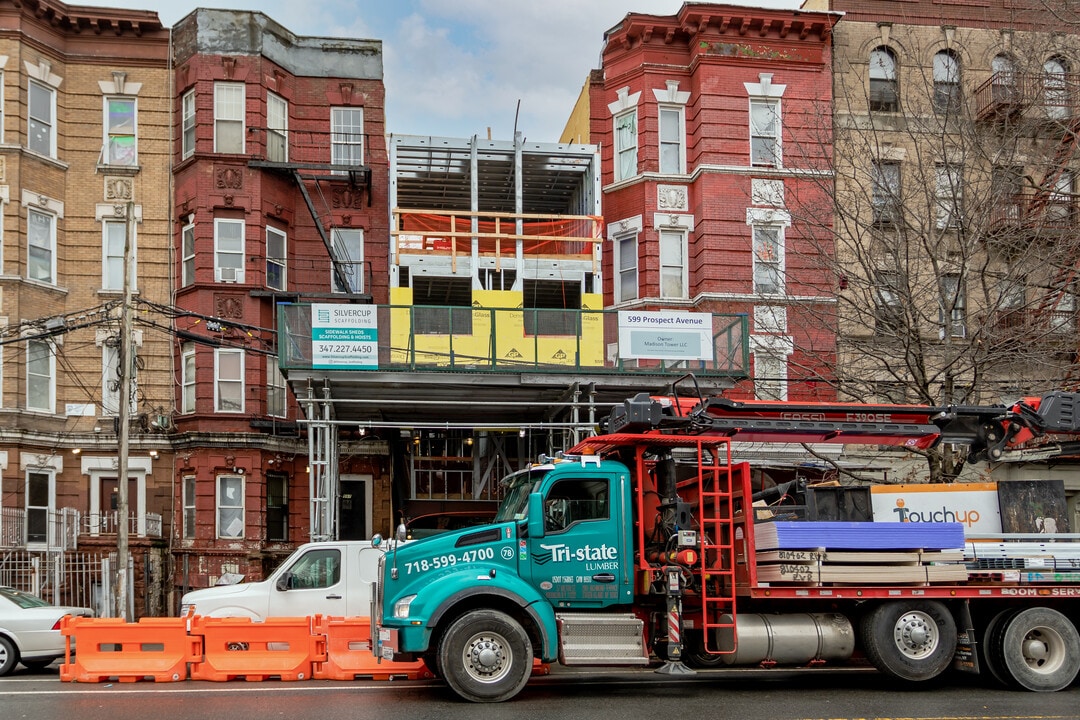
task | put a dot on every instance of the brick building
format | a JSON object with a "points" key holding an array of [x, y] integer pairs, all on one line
{"points": [[83, 171], [710, 125], [280, 173]]}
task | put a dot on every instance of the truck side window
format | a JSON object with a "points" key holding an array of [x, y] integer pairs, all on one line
{"points": [[575, 500], [316, 569]]}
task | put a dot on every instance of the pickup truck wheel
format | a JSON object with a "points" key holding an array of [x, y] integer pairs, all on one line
{"points": [[1040, 650], [485, 656], [910, 640]]}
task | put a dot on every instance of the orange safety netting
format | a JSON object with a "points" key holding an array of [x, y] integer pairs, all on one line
{"points": [[555, 236]]}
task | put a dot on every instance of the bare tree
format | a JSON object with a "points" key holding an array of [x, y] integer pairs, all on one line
{"points": [[954, 224]]}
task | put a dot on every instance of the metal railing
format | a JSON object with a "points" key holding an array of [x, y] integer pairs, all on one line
{"points": [[1054, 96], [1050, 211], [307, 147], [309, 274], [108, 523], [505, 340]]}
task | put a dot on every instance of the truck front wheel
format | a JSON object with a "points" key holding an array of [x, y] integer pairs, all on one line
{"points": [[910, 640], [485, 656]]}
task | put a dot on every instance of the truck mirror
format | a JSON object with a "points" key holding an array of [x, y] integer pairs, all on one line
{"points": [[536, 515], [284, 581]]}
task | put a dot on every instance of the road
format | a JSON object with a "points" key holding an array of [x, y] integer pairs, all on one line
{"points": [[566, 694]]}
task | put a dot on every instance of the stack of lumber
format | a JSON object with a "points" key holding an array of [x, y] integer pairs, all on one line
{"points": [[855, 553]]}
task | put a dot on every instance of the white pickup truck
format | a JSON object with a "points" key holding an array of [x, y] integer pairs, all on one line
{"points": [[326, 578]]}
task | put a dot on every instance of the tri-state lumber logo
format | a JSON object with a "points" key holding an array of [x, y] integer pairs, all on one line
{"points": [[564, 553]]}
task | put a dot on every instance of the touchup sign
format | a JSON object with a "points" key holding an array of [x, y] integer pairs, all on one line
{"points": [[974, 505]]}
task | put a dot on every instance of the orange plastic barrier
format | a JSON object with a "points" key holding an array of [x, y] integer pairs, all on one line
{"points": [[157, 649], [348, 653], [235, 648]]}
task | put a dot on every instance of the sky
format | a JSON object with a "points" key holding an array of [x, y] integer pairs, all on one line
{"points": [[457, 68]]}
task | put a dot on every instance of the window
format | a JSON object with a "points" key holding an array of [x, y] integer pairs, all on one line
{"points": [[40, 503], [1059, 209], [770, 376], [1, 106], [672, 136], [625, 145], [40, 376], [348, 261], [229, 102], [187, 252], [886, 192], [1063, 314], [673, 275], [884, 90], [347, 136], [768, 260], [120, 132], [948, 195], [228, 380], [1055, 88], [110, 379], [188, 503], [41, 137], [765, 133], [112, 261], [315, 570], [41, 236], [275, 259], [187, 378], [626, 260], [1006, 187], [946, 83], [277, 506], [229, 250], [277, 128], [187, 137], [1003, 81], [230, 506], [888, 306], [276, 392], [952, 311], [573, 501]]}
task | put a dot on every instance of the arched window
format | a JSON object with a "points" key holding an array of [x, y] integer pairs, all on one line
{"points": [[946, 83], [1003, 80], [884, 90], [1055, 88]]}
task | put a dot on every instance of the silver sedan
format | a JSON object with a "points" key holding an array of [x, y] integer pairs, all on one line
{"points": [[30, 630]]}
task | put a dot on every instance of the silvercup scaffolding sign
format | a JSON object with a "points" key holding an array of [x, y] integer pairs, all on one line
{"points": [[665, 335], [344, 337]]}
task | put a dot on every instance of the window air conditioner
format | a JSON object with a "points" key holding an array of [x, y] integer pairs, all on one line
{"points": [[230, 275]]}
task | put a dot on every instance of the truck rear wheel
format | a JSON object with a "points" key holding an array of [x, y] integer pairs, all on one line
{"points": [[990, 648], [1039, 648], [910, 640], [485, 656]]}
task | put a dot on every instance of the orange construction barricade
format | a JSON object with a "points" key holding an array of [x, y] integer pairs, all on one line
{"points": [[235, 648], [156, 649], [349, 657]]}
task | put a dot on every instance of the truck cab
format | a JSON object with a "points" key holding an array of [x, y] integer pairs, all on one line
{"points": [[327, 578], [559, 545]]}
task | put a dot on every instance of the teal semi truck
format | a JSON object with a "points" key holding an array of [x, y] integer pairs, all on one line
{"points": [[637, 548]]}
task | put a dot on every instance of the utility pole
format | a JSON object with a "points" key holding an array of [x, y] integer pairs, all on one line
{"points": [[125, 367]]}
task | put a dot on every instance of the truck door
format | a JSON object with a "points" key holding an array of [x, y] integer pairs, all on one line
{"points": [[313, 583], [581, 561]]}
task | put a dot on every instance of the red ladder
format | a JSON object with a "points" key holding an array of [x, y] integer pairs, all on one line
{"points": [[717, 529]]}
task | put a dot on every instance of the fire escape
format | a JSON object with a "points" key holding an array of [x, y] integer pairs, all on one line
{"points": [[322, 164], [1047, 106], [318, 163]]}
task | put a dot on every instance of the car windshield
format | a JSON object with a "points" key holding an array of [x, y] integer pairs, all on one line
{"points": [[515, 505], [22, 599]]}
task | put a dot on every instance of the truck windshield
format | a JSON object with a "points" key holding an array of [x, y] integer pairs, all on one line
{"points": [[515, 505]]}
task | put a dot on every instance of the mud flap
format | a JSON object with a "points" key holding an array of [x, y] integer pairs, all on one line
{"points": [[966, 658]]}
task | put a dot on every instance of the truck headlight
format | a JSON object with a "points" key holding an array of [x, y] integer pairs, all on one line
{"points": [[401, 607], [185, 608]]}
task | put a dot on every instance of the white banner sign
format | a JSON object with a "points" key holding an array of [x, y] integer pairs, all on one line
{"points": [[663, 335], [974, 505], [344, 337]]}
